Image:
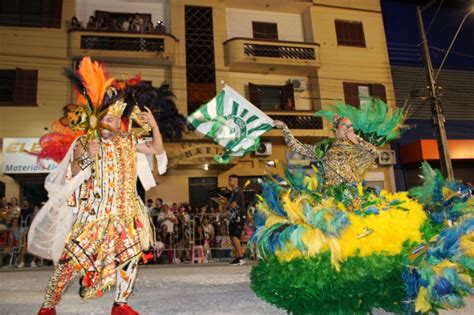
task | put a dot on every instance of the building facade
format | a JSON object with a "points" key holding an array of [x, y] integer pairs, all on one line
{"points": [[419, 143], [289, 58]]}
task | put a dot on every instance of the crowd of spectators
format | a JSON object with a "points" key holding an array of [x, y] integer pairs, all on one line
{"points": [[15, 220], [133, 23], [179, 228]]}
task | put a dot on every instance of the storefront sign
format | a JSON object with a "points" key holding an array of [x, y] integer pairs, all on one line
{"points": [[17, 157], [198, 151]]}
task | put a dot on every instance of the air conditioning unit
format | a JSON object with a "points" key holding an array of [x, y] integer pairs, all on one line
{"points": [[387, 157], [264, 149], [299, 85]]}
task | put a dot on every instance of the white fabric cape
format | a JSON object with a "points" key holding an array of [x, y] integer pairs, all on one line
{"points": [[51, 226]]}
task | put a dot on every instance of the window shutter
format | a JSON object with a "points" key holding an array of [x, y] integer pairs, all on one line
{"points": [[253, 94], [378, 91], [351, 94], [257, 30], [350, 33], [287, 100], [339, 32], [55, 13], [264, 30], [272, 31], [26, 86], [359, 38]]}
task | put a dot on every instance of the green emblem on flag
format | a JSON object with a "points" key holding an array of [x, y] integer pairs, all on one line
{"points": [[233, 123]]}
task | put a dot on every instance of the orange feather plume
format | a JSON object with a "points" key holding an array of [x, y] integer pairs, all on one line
{"points": [[95, 79], [55, 145]]}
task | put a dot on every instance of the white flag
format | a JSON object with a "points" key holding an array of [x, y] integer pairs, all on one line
{"points": [[233, 122]]}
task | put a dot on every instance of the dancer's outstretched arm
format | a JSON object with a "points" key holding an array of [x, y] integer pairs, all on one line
{"points": [[154, 147], [294, 144]]}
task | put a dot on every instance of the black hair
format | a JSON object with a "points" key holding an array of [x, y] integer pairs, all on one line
{"points": [[233, 176], [149, 200]]}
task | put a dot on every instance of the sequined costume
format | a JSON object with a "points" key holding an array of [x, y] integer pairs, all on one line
{"points": [[105, 241], [94, 223], [330, 245], [344, 161]]}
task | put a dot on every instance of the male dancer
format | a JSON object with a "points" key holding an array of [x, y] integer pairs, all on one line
{"points": [[112, 227]]}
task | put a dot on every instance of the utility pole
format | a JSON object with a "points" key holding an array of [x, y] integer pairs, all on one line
{"points": [[438, 118]]}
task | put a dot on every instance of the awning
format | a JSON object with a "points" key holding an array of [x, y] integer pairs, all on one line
{"points": [[422, 150]]}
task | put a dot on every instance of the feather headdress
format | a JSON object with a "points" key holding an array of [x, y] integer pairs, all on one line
{"points": [[375, 121], [98, 94]]}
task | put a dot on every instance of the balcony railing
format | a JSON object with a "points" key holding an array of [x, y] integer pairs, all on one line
{"points": [[146, 48], [298, 120], [265, 56], [122, 43], [303, 124], [285, 52]]}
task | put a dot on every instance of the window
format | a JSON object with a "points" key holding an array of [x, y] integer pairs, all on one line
{"points": [[7, 86], [272, 97], [364, 93], [200, 61], [200, 188], [356, 94], [350, 33], [18, 87], [31, 13], [264, 30]]}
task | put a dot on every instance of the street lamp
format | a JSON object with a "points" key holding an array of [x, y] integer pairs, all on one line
{"points": [[454, 39]]}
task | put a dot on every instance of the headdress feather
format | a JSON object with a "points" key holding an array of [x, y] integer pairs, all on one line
{"points": [[96, 80]]}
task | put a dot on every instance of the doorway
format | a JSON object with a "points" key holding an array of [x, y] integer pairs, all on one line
{"points": [[199, 189]]}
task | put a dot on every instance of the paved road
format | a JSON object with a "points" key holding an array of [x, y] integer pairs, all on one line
{"points": [[205, 289], [184, 289]]}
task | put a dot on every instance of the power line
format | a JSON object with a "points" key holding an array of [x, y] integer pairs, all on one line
{"points": [[434, 17]]}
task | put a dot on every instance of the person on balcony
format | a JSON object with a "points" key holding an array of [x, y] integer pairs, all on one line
{"points": [[126, 24], [160, 27], [76, 24], [114, 26], [150, 27], [137, 23], [92, 24], [103, 25]]}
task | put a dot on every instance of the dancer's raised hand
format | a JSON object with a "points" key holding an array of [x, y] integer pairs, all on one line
{"points": [[279, 124]]}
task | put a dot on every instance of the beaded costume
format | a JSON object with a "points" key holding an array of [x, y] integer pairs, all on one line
{"points": [[106, 234], [95, 224]]}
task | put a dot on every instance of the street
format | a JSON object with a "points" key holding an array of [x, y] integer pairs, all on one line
{"points": [[167, 289], [184, 289]]}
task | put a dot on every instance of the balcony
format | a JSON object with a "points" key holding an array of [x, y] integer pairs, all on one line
{"points": [[303, 125], [271, 56], [135, 48]]}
